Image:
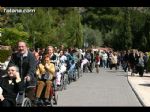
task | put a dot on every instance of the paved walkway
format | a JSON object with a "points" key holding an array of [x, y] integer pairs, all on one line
{"points": [[141, 87], [108, 88]]}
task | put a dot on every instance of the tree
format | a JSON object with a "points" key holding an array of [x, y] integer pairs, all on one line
{"points": [[92, 37], [121, 27], [39, 29], [4, 18], [12, 35], [73, 29], [54, 27]]}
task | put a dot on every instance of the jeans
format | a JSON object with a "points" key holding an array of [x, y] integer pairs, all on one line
{"points": [[104, 62], [71, 70]]}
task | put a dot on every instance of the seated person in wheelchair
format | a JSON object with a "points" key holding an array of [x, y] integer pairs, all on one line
{"points": [[45, 75], [10, 85]]}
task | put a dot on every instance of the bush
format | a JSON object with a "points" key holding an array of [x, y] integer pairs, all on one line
{"points": [[148, 53], [10, 36], [4, 54]]}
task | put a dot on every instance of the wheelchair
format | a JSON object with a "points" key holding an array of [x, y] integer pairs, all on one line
{"points": [[63, 80], [53, 99], [73, 75], [85, 68], [22, 100]]}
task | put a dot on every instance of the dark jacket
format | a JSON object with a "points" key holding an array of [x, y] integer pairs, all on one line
{"points": [[53, 59], [126, 57], [131, 58], [27, 65], [10, 91]]}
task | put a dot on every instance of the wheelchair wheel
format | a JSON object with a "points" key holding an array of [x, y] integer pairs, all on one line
{"points": [[61, 84], [75, 75], [55, 98], [26, 102], [65, 81], [69, 79], [78, 73]]}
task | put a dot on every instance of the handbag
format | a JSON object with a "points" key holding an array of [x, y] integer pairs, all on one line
{"points": [[112, 61], [46, 76]]}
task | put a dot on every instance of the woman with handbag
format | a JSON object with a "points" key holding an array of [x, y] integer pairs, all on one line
{"points": [[45, 74]]}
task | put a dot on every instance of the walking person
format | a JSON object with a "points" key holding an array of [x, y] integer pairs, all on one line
{"points": [[113, 58], [104, 59], [140, 65], [97, 62], [146, 58], [108, 59], [125, 64], [92, 59]]}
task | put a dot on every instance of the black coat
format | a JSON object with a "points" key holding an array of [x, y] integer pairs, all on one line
{"points": [[10, 91], [27, 66]]}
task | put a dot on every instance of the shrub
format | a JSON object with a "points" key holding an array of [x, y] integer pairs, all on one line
{"points": [[148, 53], [4, 54], [12, 35]]}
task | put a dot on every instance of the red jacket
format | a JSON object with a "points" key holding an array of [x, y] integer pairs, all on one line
{"points": [[97, 59]]}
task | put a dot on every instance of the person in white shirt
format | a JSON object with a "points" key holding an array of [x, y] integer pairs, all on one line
{"points": [[62, 64], [84, 61], [62, 57], [104, 59]]}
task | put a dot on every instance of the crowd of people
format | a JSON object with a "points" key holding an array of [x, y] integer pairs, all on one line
{"points": [[39, 68], [133, 61]]}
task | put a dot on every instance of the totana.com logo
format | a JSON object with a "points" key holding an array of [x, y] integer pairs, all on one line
{"points": [[18, 10]]}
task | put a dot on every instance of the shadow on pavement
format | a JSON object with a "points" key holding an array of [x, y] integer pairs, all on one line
{"points": [[146, 76], [122, 75], [113, 71], [148, 85], [116, 71]]}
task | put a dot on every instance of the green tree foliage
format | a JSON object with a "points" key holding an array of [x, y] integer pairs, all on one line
{"points": [[92, 37], [4, 54], [56, 26], [146, 32], [117, 27], [121, 27], [4, 18], [11, 35], [73, 27]]}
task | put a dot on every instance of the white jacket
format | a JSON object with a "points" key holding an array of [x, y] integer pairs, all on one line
{"points": [[104, 56]]}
